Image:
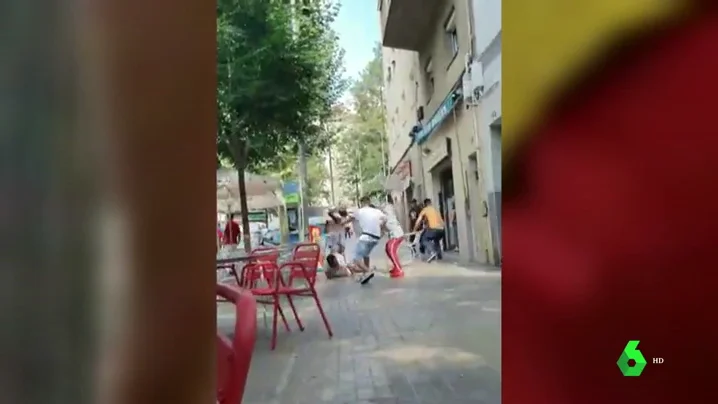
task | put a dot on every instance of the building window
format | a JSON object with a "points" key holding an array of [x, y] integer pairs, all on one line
{"points": [[429, 75], [389, 70], [452, 36]]}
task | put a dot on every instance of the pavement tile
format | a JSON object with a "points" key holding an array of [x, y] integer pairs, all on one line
{"points": [[430, 337]]}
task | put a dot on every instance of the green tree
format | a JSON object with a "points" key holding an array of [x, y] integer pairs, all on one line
{"points": [[360, 151], [279, 73], [315, 189]]}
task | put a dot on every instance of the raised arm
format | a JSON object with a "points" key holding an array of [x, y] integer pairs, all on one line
{"points": [[348, 219], [419, 219]]}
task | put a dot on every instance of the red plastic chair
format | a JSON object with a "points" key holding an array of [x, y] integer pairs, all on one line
{"points": [[303, 266], [304, 263], [258, 256], [234, 356], [252, 275]]}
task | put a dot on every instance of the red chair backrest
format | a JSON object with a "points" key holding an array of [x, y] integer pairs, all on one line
{"points": [[307, 254], [264, 254], [257, 266], [234, 356]]}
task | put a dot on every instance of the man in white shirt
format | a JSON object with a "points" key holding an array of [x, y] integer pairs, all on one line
{"points": [[371, 221], [396, 236]]}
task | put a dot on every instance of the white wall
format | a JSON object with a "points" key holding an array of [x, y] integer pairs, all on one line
{"points": [[401, 99], [487, 30], [487, 23]]}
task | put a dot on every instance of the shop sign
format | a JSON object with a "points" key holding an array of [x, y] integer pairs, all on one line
{"points": [[290, 191], [441, 113]]}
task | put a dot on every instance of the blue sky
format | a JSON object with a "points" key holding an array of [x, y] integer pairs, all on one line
{"points": [[358, 28]]}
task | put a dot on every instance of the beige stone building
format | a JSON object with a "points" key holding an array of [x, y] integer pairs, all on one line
{"points": [[433, 135]]}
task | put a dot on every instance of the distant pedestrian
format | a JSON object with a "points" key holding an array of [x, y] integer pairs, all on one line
{"points": [[232, 231]]}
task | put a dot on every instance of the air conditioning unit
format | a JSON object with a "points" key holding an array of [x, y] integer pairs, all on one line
{"points": [[473, 83]]}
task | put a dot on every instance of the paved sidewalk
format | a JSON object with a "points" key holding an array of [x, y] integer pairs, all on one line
{"points": [[431, 337]]}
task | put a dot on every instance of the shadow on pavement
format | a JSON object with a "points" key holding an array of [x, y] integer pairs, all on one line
{"points": [[433, 336]]}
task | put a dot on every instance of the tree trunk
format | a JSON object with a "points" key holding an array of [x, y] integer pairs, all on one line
{"points": [[240, 163], [246, 235]]}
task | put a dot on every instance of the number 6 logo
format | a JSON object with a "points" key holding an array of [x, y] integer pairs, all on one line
{"points": [[631, 352]]}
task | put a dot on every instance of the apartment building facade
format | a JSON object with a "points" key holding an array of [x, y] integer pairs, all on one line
{"points": [[434, 146], [486, 23]]}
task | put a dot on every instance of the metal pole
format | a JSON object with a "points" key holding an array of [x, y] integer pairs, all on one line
{"points": [[383, 155], [302, 183], [331, 176], [361, 176]]}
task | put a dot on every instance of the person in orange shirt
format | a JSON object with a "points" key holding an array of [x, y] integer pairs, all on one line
{"points": [[434, 229]]}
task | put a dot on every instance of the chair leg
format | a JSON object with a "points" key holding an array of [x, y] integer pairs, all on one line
{"points": [[275, 306], [284, 319], [233, 271], [296, 315], [321, 311]]}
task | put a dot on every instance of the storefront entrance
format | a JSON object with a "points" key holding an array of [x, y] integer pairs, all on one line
{"points": [[447, 206]]}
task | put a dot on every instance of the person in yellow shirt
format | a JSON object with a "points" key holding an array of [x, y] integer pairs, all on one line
{"points": [[434, 229]]}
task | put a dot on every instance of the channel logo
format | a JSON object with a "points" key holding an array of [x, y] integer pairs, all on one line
{"points": [[631, 362]]}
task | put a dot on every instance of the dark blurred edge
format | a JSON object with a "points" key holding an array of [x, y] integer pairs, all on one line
{"points": [[107, 109]]}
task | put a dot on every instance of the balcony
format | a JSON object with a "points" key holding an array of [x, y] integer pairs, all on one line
{"points": [[407, 24]]}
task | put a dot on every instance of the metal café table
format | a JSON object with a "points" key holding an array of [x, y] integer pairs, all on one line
{"points": [[227, 257]]}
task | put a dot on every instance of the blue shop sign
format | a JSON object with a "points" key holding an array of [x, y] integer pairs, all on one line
{"points": [[441, 113]]}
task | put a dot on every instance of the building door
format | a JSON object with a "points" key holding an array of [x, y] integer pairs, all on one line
{"points": [[447, 208]]}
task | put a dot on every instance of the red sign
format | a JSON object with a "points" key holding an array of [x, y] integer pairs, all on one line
{"points": [[403, 170]]}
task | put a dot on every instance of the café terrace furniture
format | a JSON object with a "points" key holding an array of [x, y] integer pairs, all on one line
{"points": [[302, 266], [234, 355]]}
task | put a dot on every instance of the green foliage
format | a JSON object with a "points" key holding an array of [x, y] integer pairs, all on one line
{"points": [[279, 73], [362, 131], [315, 190]]}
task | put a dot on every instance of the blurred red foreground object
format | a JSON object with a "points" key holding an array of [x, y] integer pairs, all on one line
{"points": [[610, 234], [234, 356]]}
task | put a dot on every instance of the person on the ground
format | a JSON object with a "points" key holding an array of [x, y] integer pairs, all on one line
{"points": [[396, 236], [337, 264], [232, 231], [371, 221], [434, 229]]}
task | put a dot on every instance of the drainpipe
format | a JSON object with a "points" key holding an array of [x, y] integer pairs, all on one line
{"points": [[472, 44], [470, 25]]}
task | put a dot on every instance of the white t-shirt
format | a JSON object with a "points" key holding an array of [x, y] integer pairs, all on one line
{"points": [[392, 223], [369, 220]]}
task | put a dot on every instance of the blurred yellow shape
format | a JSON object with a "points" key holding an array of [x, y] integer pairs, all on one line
{"points": [[549, 42]]}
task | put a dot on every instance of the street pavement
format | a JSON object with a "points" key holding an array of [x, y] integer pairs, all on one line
{"points": [[430, 337]]}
